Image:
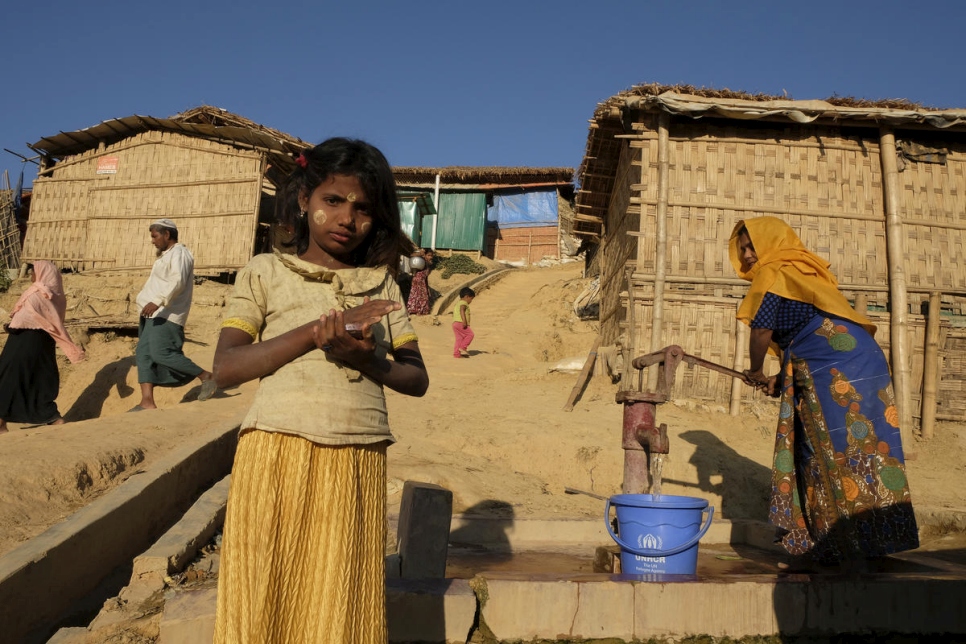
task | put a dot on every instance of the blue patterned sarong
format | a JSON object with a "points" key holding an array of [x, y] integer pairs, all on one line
{"points": [[839, 488]]}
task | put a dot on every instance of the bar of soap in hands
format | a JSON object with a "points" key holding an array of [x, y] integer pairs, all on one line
{"points": [[354, 329]]}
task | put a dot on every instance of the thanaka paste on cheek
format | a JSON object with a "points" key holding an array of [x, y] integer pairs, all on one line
{"points": [[319, 216], [365, 226]]}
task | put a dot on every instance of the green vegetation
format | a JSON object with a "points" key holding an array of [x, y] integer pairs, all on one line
{"points": [[5, 280], [458, 264]]}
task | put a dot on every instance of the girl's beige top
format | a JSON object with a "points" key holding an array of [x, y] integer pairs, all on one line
{"points": [[315, 396]]}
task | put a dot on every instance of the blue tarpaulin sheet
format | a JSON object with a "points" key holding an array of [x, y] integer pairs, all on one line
{"points": [[523, 209]]}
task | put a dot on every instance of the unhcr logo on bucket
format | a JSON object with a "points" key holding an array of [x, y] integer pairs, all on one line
{"points": [[650, 542]]}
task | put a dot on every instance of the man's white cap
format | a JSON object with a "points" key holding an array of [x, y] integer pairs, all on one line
{"points": [[164, 223]]}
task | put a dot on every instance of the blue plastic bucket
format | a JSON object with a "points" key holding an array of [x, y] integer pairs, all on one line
{"points": [[658, 535]]}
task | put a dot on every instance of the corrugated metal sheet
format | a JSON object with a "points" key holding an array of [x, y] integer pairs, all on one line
{"points": [[462, 221]]}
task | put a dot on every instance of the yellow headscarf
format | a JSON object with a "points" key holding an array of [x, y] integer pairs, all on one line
{"points": [[786, 268]]}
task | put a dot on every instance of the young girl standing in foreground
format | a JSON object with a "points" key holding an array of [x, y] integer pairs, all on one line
{"points": [[304, 540]]}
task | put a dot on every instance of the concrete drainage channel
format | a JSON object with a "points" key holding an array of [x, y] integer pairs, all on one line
{"points": [[55, 575], [522, 582]]}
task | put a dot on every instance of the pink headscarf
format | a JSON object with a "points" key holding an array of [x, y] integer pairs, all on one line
{"points": [[43, 306]]}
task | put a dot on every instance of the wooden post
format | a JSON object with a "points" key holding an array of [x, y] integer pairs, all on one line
{"points": [[660, 249], [741, 345], [899, 309], [862, 303], [930, 367], [584, 375]]}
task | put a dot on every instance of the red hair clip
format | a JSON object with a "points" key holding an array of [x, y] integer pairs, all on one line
{"points": [[301, 160]]}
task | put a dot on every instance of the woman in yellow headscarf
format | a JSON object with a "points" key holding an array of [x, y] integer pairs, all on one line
{"points": [[839, 489]]}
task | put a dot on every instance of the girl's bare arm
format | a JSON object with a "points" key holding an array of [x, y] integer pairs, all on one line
{"points": [[405, 373], [239, 359]]}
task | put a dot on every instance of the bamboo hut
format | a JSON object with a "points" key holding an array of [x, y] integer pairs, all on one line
{"points": [[877, 188], [514, 215], [211, 171]]}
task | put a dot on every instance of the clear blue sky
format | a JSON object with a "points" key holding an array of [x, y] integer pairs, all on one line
{"points": [[434, 83]]}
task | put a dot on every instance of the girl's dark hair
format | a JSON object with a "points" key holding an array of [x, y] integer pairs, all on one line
{"points": [[351, 157], [466, 290]]}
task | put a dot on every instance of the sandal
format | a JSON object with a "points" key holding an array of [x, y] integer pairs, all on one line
{"points": [[208, 389]]}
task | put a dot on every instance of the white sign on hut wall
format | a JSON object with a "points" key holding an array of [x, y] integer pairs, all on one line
{"points": [[107, 165]]}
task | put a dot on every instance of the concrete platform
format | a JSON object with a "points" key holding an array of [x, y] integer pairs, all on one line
{"points": [[554, 595], [566, 607]]}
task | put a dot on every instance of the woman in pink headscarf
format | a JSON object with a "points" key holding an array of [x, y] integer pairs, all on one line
{"points": [[29, 378]]}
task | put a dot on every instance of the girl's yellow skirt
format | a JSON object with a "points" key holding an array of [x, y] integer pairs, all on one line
{"points": [[302, 558]]}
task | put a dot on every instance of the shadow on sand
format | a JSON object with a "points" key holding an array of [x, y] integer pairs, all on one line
{"points": [[90, 403], [745, 485]]}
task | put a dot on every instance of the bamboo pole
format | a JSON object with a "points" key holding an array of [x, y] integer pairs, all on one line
{"points": [[741, 344], [756, 208], [660, 254], [630, 347], [148, 218], [179, 184], [930, 368], [861, 303], [257, 194], [734, 281], [899, 309]]}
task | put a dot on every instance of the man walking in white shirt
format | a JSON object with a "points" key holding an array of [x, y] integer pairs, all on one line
{"points": [[163, 304]]}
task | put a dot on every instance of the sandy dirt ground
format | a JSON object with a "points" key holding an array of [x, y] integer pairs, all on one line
{"points": [[491, 428]]}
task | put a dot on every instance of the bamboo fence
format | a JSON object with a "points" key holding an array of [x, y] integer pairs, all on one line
{"points": [[523, 245]]}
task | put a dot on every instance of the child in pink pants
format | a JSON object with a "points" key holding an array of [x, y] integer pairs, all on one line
{"points": [[461, 323]]}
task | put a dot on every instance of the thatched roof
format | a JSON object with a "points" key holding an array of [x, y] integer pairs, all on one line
{"points": [[206, 122], [482, 178], [599, 166], [691, 101]]}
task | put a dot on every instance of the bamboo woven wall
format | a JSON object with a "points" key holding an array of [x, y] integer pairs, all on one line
{"points": [[933, 207], [87, 221], [828, 186], [618, 249], [523, 245]]}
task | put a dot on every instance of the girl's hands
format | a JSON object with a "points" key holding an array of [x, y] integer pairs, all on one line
{"points": [[347, 335], [369, 312]]}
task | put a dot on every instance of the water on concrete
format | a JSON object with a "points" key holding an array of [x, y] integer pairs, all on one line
{"points": [[715, 561]]}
